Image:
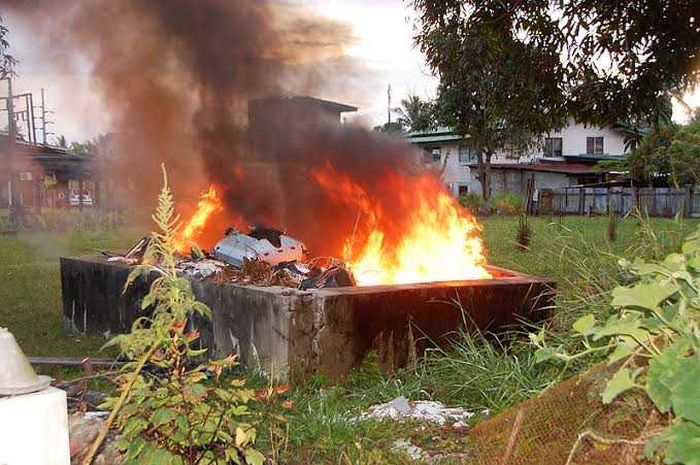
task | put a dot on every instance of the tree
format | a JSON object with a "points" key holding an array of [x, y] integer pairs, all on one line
{"points": [[7, 62], [393, 128], [488, 92], [61, 142], [617, 60], [415, 114], [669, 154]]}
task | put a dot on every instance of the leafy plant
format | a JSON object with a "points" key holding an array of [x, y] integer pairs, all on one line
{"points": [[472, 201], [176, 411], [508, 203], [655, 335], [522, 239]]}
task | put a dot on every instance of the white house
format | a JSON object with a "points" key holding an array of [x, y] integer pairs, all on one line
{"points": [[564, 158]]}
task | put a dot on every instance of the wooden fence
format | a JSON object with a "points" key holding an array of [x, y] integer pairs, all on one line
{"points": [[657, 201]]}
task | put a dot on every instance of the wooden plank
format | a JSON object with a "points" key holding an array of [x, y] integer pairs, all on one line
{"points": [[73, 361]]}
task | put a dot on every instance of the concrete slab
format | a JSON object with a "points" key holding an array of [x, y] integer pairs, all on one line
{"points": [[278, 330]]}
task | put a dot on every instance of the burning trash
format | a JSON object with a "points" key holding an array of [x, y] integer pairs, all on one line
{"points": [[263, 257], [264, 244]]}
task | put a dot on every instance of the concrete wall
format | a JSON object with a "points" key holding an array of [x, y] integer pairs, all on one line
{"points": [[280, 331]]}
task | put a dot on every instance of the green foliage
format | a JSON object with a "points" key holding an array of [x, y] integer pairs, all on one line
{"points": [[472, 201], [416, 114], [62, 219], [7, 61], [669, 153], [644, 62], [177, 413], [522, 239], [508, 203], [656, 329]]}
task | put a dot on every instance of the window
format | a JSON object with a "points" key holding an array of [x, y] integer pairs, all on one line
{"points": [[552, 147], [462, 189], [594, 146], [437, 154], [467, 154]]}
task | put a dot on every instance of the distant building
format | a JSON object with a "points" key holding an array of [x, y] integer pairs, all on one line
{"points": [[46, 176], [565, 158]]}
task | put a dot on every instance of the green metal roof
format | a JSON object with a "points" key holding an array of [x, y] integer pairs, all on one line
{"points": [[441, 134]]}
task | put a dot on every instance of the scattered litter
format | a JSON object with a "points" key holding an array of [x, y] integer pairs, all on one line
{"points": [[133, 256], [201, 269], [401, 409], [412, 451]]}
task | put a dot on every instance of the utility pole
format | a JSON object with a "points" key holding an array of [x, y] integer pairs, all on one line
{"points": [[388, 106], [12, 155], [43, 117]]}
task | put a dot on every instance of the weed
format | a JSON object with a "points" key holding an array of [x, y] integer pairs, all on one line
{"points": [[522, 239]]}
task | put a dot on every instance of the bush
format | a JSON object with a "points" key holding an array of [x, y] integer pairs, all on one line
{"points": [[472, 201], [508, 203]]}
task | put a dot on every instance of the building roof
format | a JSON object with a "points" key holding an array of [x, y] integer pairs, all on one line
{"points": [[325, 104], [440, 134]]}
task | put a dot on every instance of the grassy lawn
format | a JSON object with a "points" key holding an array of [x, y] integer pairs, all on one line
{"points": [[474, 374], [30, 297]]}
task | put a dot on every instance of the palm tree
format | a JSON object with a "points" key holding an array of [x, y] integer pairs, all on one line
{"points": [[7, 61], [61, 142], [415, 114]]}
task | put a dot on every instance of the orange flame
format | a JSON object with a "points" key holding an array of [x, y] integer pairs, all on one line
{"points": [[439, 240], [209, 202]]}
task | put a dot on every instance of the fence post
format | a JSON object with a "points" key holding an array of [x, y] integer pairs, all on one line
{"points": [[581, 200], [687, 200]]}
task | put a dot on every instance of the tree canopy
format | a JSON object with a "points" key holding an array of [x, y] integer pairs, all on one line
{"points": [[612, 60], [669, 154]]}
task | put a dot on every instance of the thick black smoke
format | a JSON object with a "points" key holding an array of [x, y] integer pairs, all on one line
{"points": [[178, 76]]}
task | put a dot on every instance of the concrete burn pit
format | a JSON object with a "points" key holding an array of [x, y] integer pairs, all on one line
{"points": [[282, 330]]}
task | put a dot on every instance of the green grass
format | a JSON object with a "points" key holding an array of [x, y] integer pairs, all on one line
{"points": [[475, 374], [30, 296]]}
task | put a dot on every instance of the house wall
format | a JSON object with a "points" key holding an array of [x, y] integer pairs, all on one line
{"points": [[574, 140], [515, 181]]}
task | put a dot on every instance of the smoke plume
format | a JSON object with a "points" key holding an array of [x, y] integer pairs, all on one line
{"points": [[177, 77]]}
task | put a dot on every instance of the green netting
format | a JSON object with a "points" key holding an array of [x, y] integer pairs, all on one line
{"points": [[568, 424]]}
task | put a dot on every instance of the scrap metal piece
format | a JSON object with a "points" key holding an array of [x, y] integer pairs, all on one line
{"points": [[264, 244]]}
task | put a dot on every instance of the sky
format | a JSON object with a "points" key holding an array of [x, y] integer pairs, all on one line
{"points": [[383, 32], [383, 43]]}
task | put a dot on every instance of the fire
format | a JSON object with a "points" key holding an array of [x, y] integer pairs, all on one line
{"points": [[439, 240], [209, 202]]}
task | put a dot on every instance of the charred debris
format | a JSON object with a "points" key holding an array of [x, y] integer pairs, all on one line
{"points": [[262, 257]]}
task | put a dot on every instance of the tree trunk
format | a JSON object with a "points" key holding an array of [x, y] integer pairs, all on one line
{"points": [[484, 167]]}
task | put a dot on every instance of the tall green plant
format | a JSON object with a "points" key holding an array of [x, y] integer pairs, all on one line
{"points": [[174, 412]]}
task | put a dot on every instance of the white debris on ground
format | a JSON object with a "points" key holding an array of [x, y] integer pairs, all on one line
{"points": [[201, 269], [413, 452], [401, 409]]}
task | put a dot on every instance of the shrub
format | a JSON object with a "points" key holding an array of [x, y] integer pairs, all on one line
{"points": [[179, 412], [524, 235], [508, 203], [654, 329], [472, 201]]}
